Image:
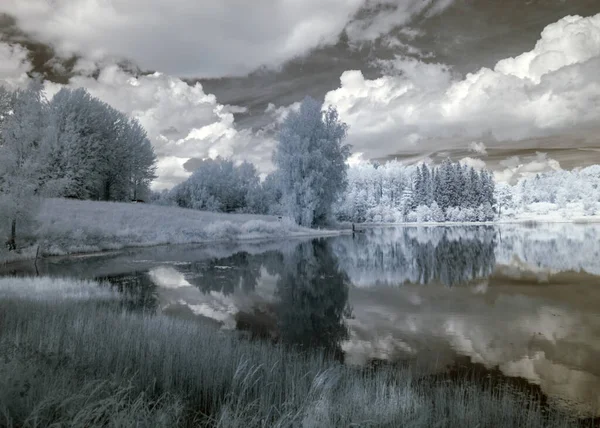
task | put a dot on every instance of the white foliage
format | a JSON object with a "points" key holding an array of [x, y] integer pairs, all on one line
{"points": [[21, 163], [393, 256], [219, 185], [393, 192], [95, 151], [311, 159], [75, 146], [552, 195]]}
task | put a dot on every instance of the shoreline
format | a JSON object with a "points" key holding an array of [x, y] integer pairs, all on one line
{"points": [[29, 254], [71, 227], [582, 221], [32, 250]]}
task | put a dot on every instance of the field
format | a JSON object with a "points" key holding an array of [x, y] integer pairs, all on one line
{"points": [[65, 226]]}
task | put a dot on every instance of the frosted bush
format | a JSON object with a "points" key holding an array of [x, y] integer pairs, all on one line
{"points": [[423, 213]]}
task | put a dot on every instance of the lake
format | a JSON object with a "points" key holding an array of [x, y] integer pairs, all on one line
{"points": [[524, 300]]}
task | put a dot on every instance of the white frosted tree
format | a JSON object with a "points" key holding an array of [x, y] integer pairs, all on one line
{"points": [[504, 197], [220, 185], [406, 202], [311, 158], [6, 104], [436, 213], [95, 151], [22, 135], [393, 192], [427, 185], [271, 194], [418, 188], [142, 160]]}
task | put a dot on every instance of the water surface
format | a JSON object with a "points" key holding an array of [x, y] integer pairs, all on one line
{"points": [[525, 300]]}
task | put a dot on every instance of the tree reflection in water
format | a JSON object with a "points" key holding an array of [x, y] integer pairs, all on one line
{"points": [[313, 298], [421, 255], [138, 290]]}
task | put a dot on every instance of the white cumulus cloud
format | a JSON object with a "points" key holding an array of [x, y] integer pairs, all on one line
{"points": [[478, 147], [514, 168], [14, 65], [553, 87]]}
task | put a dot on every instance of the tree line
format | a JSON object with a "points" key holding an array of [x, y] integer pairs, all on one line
{"points": [[393, 192], [73, 145], [76, 146], [314, 186], [310, 175]]}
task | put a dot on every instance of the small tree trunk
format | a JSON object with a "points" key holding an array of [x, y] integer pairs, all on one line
{"points": [[11, 244], [107, 190]]}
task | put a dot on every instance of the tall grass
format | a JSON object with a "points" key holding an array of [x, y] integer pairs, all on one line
{"points": [[82, 363]]}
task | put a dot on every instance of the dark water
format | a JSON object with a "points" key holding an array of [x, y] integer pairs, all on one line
{"points": [[524, 300]]}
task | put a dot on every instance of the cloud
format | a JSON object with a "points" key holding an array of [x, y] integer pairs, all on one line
{"points": [[514, 168], [478, 147], [552, 88], [572, 40], [382, 16], [185, 37], [514, 329], [472, 162], [417, 108], [182, 121], [356, 159], [14, 65], [279, 114], [392, 109], [208, 38]]}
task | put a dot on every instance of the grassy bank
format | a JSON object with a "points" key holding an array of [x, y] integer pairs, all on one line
{"points": [[65, 226], [71, 356]]}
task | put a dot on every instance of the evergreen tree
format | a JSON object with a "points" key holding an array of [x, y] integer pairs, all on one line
{"points": [[418, 189], [475, 189], [427, 185], [445, 185]]}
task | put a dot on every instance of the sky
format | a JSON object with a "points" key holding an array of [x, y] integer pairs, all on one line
{"points": [[508, 84]]}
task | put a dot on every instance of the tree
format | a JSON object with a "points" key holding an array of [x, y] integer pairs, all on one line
{"points": [[74, 146], [487, 188], [313, 298], [95, 151], [406, 203], [436, 213], [271, 194], [427, 185], [22, 135], [311, 158], [418, 189], [7, 99], [220, 185], [142, 160]]}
